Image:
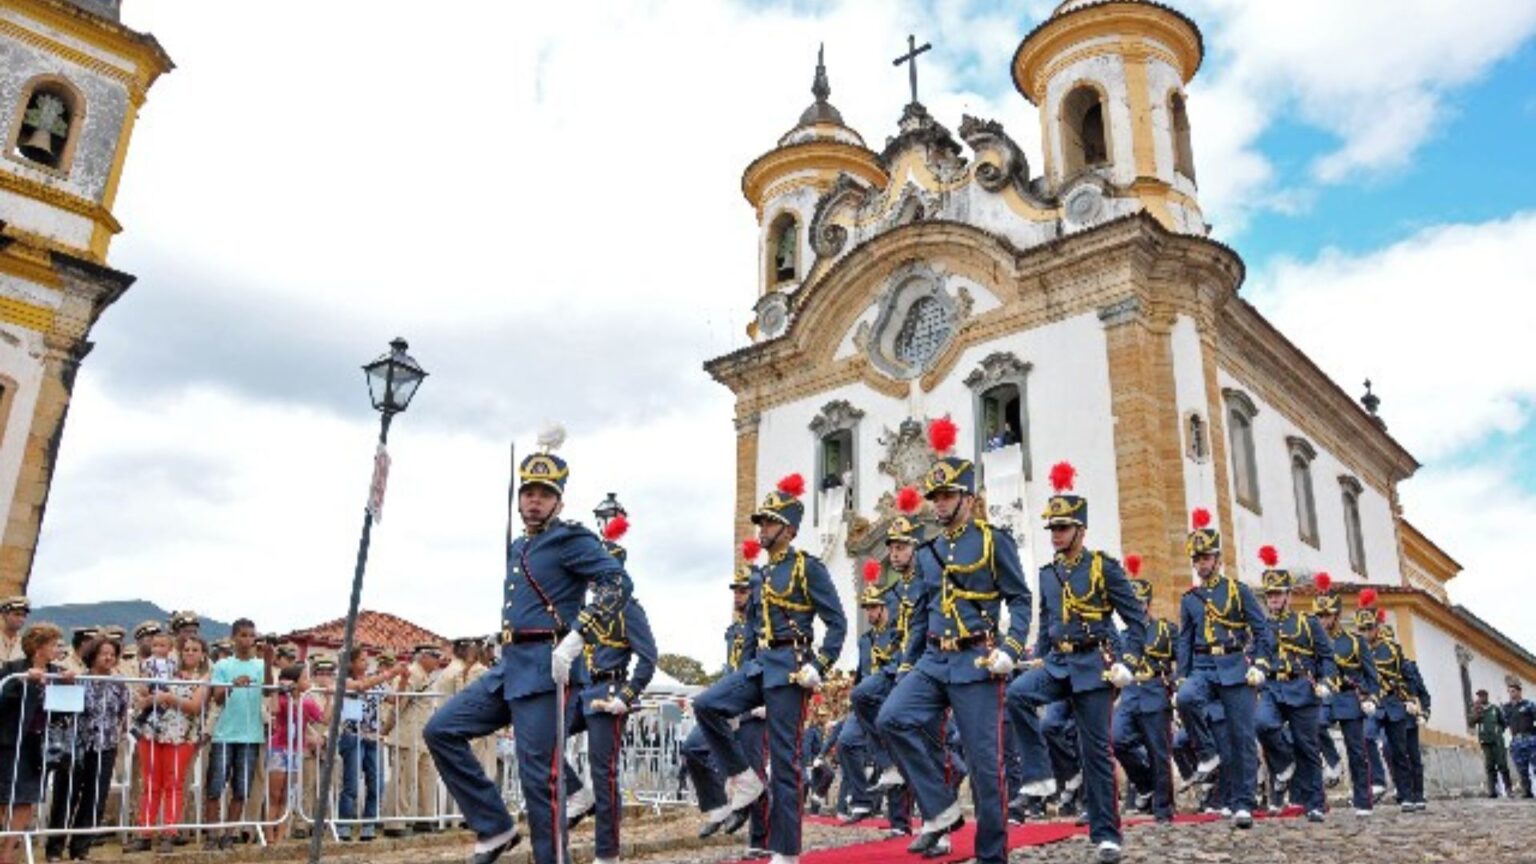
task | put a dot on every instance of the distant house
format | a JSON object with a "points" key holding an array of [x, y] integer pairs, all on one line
{"points": [[379, 631]]}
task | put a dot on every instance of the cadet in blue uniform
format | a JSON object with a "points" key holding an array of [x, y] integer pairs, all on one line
{"points": [[751, 730], [1224, 653], [877, 650], [1398, 707], [794, 590], [1416, 705], [969, 572], [1080, 592], [1144, 714], [1292, 700], [550, 569], [1355, 690], [608, 691], [902, 599], [1520, 716]]}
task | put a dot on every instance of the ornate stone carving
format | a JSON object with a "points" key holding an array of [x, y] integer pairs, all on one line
{"points": [[907, 458], [828, 239], [997, 367], [986, 137], [963, 303], [835, 416]]}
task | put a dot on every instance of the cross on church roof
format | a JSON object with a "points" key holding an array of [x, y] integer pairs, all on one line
{"points": [[911, 58]]}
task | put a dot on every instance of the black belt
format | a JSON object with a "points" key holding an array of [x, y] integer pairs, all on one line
{"points": [[609, 675], [1219, 650], [1067, 646], [510, 636], [958, 643], [784, 642]]}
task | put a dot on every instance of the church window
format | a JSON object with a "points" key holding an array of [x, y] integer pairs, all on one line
{"points": [[1001, 419], [1464, 664], [1245, 466], [1353, 535], [835, 428], [783, 250], [1183, 155], [1302, 455], [923, 333], [1085, 143], [1197, 442], [48, 125], [999, 388]]}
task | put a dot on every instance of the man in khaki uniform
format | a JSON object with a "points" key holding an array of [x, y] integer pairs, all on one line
{"points": [[77, 640], [322, 678], [414, 782], [13, 617]]}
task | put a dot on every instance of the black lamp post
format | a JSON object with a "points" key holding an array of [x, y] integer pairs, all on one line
{"points": [[609, 508], [392, 381]]}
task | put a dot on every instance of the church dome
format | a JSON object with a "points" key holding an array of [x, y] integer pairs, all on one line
{"points": [[821, 121]]}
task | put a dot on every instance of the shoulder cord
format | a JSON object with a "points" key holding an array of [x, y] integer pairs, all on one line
{"points": [[1227, 616], [950, 589], [1094, 604], [797, 579]]}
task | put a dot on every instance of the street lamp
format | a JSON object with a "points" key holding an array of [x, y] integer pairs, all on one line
{"points": [[609, 508], [392, 382]]}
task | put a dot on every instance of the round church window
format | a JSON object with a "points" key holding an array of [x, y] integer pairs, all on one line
{"points": [[923, 332]]}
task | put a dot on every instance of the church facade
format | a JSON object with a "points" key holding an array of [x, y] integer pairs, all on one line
{"points": [[72, 81], [1081, 314]]}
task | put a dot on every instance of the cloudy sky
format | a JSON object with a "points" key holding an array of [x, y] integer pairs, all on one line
{"points": [[545, 201]]}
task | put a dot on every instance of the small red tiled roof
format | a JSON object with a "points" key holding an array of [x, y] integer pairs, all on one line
{"points": [[378, 630]]}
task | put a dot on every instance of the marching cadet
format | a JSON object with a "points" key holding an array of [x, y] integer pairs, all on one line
{"points": [[877, 648], [1397, 702], [1292, 700], [414, 779], [1417, 702], [794, 589], [1080, 592], [13, 617], [608, 693], [1520, 717], [1355, 687], [751, 729], [550, 568], [902, 597], [968, 573], [1223, 653], [1144, 714]]}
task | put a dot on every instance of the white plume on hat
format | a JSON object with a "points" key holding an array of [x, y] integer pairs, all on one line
{"points": [[551, 437]]}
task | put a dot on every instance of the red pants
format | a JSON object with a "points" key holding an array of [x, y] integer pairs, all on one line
{"points": [[164, 769]]}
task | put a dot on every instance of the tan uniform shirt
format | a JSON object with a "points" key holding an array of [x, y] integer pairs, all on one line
{"points": [[10, 648]]}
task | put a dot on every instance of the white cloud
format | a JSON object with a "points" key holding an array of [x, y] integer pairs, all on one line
{"points": [[1440, 323]]}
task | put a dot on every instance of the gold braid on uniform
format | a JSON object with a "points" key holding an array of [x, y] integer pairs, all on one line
{"points": [[904, 615], [1227, 616], [783, 600], [738, 644], [949, 592], [1352, 660], [1289, 643]]}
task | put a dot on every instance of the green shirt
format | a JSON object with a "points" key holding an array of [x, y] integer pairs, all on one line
{"points": [[240, 721], [1490, 724]]}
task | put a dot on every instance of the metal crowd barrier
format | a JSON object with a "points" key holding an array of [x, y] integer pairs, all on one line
{"points": [[61, 718]]}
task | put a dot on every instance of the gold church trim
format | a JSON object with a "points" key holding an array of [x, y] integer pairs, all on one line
{"points": [[148, 58], [831, 156], [23, 314], [56, 197], [1114, 22]]}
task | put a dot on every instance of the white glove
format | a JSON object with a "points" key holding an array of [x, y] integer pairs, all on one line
{"points": [[1368, 707], [614, 706], [999, 663], [1321, 691], [818, 762], [759, 713], [1120, 676], [1256, 677], [808, 677], [563, 656], [1412, 708]]}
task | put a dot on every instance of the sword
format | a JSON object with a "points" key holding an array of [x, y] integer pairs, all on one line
{"points": [[560, 774]]}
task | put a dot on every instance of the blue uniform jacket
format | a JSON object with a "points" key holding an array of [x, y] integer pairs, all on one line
{"points": [[1416, 684], [1150, 693], [1355, 679], [605, 663], [740, 644], [911, 622], [966, 580], [1223, 628], [877, 648], [791, 592], [1304, 659], [1077, 636], [812, 744], [563, 562], [1396, 689]]}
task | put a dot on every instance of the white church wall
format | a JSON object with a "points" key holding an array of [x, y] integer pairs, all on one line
{"points": [[1189, 393], [1435, 652], [62, 226], [1276, 524], [17, 363]]}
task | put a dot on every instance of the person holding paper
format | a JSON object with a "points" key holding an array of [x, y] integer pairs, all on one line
{"points": [[22, 724]]}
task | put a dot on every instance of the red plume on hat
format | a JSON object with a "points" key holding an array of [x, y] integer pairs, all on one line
{"points": [[792, 485], [1367, 597], [1381, 615], [750, 548], [1322, 582], [871, 571], [1269, 555], [908, 499], [1199, 518], [1133, 565], [1062, 475], [616, 528], [942, 434]]}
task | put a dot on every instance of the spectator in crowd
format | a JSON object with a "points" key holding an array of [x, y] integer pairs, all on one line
{"points": [[415, 777], [238, 733], [83, 776], [160, 666], [22, 726], [186, 623], [77, 642], [359, 745], [13, 617], [291, 715], [168, 741]]}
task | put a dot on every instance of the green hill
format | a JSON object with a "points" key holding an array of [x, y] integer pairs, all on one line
{"points": [[125, 613]]}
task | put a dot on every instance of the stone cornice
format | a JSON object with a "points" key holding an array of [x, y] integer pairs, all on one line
{"points": [[1119, 20], [142, 49], [833, 156], [10, 181]]}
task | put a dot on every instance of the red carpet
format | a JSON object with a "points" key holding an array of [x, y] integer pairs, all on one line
{"points": [[962, 842]]}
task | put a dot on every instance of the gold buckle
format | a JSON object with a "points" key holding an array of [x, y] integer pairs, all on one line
{"points": [[1217, 650], [949, 643], [506, 635], [1064, 647]]}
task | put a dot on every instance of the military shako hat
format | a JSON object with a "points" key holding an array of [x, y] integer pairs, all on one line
{"points": [[1064, 507], [1203, 539], [1142, 588], [1275, 579], [783, 504], [544, 468], [1326, 602], [903, 528], [950, 473]]}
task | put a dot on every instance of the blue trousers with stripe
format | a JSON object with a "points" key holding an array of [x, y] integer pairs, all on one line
{"points": [[1092, 709], [709, 783]]}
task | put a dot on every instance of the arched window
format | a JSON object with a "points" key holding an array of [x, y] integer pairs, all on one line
{"points": [[835, 428], [48, 124], [783, 250], [1197, 444], [1352, 533], [999, 388], [1183, 155], [1302, 455], [1245, 466], [1002, 419], [1084, 142]]}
